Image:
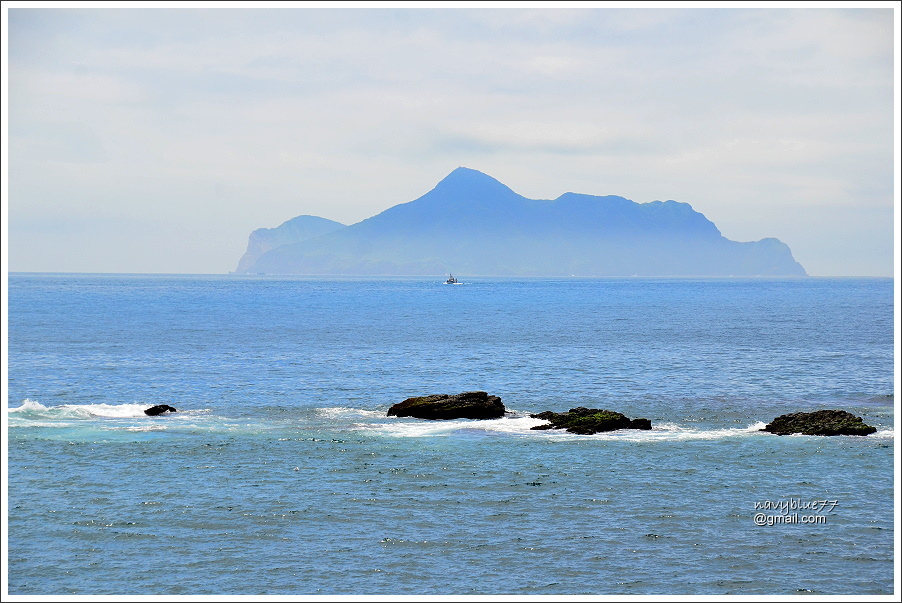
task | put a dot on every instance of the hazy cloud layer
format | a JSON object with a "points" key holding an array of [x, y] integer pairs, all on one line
{"points": [[155, 140]]}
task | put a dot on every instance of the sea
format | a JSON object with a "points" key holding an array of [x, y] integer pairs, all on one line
{"points": [[281, 474]]}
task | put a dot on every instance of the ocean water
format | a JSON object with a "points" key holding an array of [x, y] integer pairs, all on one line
{"points": [[281, 473]]}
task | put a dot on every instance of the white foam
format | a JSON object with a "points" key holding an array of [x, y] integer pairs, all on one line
{"points": [[416, 428], [339, 412], [883, 434], [673, 432], [522, 425], [146, 428], [27, 405], [35, 410]]}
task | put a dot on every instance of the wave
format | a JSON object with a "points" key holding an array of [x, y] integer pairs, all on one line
{"points": [[31, 409], [131, 418], [405, 427], [105, 417], [521, 425], [342, 412]]}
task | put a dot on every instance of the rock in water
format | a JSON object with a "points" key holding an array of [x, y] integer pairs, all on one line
{"points": [[821, 422], [587, 421], [468, 405], [639, 424], [159, 409]]}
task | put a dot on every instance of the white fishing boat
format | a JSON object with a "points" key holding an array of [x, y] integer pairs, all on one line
{"points": [[451, 280]]}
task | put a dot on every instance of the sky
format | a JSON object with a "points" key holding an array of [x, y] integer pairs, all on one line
{"points": [[156, 139]]}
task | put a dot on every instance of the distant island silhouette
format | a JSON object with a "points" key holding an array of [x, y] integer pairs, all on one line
{"points": [[474, 225]]}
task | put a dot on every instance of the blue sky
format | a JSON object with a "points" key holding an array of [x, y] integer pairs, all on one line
{"points": [[155, 140]]}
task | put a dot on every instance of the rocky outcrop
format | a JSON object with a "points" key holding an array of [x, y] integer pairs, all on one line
{"points": [[159, 409], [468, 405], [821, 422], [587, 421]]}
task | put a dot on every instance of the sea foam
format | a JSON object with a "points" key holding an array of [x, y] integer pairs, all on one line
{"points": [[32, 409], [521, 425]]}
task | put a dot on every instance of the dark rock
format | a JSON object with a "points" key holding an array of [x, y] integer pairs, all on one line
{"points": [[468, 405], [544, 426], [159, 409], [821, 422], [639, 424], [587, 421]]}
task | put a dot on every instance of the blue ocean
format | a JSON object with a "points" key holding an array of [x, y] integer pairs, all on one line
{"points": [[281, 474]]}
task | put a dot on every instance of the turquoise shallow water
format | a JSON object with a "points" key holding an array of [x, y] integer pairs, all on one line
{"points": [[281, 473]]}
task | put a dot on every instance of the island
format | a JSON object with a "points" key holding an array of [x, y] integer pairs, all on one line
{"points": [[472, 224]]}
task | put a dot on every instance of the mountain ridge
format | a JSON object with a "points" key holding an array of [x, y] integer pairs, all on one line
{"points": [[470, 223]]}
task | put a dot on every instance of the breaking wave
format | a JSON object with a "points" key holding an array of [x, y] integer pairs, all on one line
{"points": [[131, 418], [31, 409], [522, 424]]}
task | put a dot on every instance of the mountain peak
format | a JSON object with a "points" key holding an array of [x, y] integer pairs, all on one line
{"points": [[465, 173], [465, 180]]}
